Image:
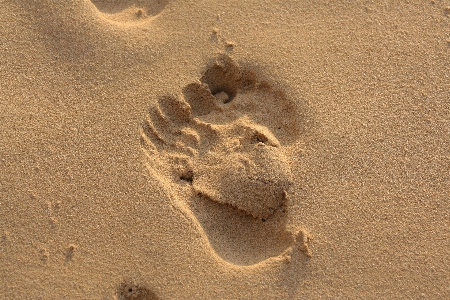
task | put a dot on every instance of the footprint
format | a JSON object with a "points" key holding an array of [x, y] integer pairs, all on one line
{"points": [[219, 148], [126, 11]]}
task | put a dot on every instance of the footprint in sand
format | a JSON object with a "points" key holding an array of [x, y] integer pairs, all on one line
{"points": [[130, 11], [219, 150]]}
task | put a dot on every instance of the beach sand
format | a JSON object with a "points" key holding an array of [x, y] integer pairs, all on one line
{"points": [[167, 149]]}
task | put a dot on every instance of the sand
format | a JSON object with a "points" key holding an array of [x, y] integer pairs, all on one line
{"points": [[224, 150]]}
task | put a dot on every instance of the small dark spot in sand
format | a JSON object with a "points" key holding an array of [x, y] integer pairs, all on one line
{"points": [[447, 11], [229, 46], [131, 291], [187, 176], [6, 236], [70, 252], [44, 255]]}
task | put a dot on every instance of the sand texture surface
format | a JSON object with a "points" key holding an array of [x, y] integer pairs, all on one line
{"points": [[163, 149]]}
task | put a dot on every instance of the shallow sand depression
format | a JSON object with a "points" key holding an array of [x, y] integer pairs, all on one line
{"points": [[224, 150]]}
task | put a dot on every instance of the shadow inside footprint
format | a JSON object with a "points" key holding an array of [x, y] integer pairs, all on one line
{"points": [[130, 10], [220, 148], [238, 237]]}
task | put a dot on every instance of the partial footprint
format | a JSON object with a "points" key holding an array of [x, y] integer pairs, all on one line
{"points": [[219, 148], [127, 11]]}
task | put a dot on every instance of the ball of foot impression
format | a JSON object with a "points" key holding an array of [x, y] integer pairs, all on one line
{"points": [[255, 181]]}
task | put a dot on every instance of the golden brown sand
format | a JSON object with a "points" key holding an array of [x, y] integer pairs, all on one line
{"points": [[224, 149]]}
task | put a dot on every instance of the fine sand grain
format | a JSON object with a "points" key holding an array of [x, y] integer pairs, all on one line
{"points": [[162, 149]]}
